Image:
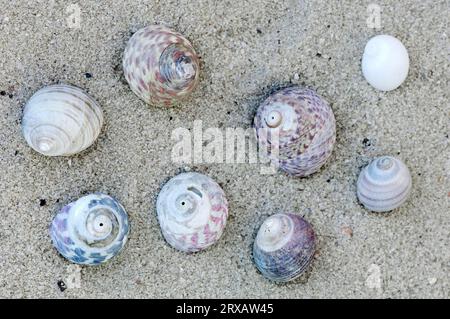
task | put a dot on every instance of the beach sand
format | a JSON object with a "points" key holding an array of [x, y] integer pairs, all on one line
{"points": [[247, 49]]}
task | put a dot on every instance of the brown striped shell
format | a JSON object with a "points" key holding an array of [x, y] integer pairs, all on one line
{"points": [[61, 120], [296, 129], [160, 65]]}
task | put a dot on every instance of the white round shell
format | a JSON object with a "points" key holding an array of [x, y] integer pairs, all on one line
{"points": [[385, 62], [384, 184], [192, 211], [61, 120]]}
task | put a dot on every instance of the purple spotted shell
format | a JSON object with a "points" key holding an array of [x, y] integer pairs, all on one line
{"points": [[284, 247], [160, 65], [296, 129]]}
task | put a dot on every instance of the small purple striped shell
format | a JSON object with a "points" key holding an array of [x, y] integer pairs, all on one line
{"points": [[192, 211], [296, 129], [284, 247], [384, 184], [160, 65]]}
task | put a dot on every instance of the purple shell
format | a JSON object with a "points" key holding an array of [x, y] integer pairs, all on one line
{"points": [[160, 65], [296, 129], [284, 247]]}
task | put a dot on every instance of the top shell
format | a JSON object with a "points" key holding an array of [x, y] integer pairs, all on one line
{"points": [[91, 230], [160, 65], [295, 127], [384, 184], [284, 247], [61, 120], [192, 211]]}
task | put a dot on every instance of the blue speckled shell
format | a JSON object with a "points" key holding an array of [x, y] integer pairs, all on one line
{"points": [[67, 226], [291, 259]]}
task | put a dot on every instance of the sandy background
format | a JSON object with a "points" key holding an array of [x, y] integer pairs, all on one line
{"points": [[247, 48]]}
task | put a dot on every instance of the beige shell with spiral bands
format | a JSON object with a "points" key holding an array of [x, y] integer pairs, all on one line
{"points": [[61, 120]]}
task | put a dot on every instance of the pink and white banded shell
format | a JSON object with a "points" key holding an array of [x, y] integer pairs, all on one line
{"points": [[192, 211], [160, 65], [296, 129]]}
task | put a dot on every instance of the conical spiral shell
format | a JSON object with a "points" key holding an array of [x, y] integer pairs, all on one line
{"points": [[192, 212], [296, 128], [384, 184], [61, 120], [284, 247], [160, 65], [91, 230]]}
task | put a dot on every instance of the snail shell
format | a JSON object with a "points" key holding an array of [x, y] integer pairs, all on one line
{"points": [[284, 247], [61, 120], [160, 65], [384, 184], [296, 129], [192, 211], [385, 62], [91, 230]]}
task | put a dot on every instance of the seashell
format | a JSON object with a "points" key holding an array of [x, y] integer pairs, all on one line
{"points": [[192, 211], [160, 65], [284, 247], [385, 62], [91, 230], [384, 184], [296, 129], [61, 120]]}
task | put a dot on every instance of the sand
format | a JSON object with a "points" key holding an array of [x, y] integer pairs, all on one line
{"points": [[247, 48]]}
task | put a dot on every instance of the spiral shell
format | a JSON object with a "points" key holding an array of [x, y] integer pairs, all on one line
{"points": [[384, 184], [296, 129], [61, 120], [284, 247], [192, 211], [160, 65], [91, 230]]}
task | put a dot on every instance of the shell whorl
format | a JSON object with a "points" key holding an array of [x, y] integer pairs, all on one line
{"points": [[160, 65], [61, 120], [91, 230], [384, 184], [296, 129], [284, 247], [192, 211]]}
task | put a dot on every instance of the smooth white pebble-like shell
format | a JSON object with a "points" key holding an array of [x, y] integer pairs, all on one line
{"points": [[385, 62]]}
